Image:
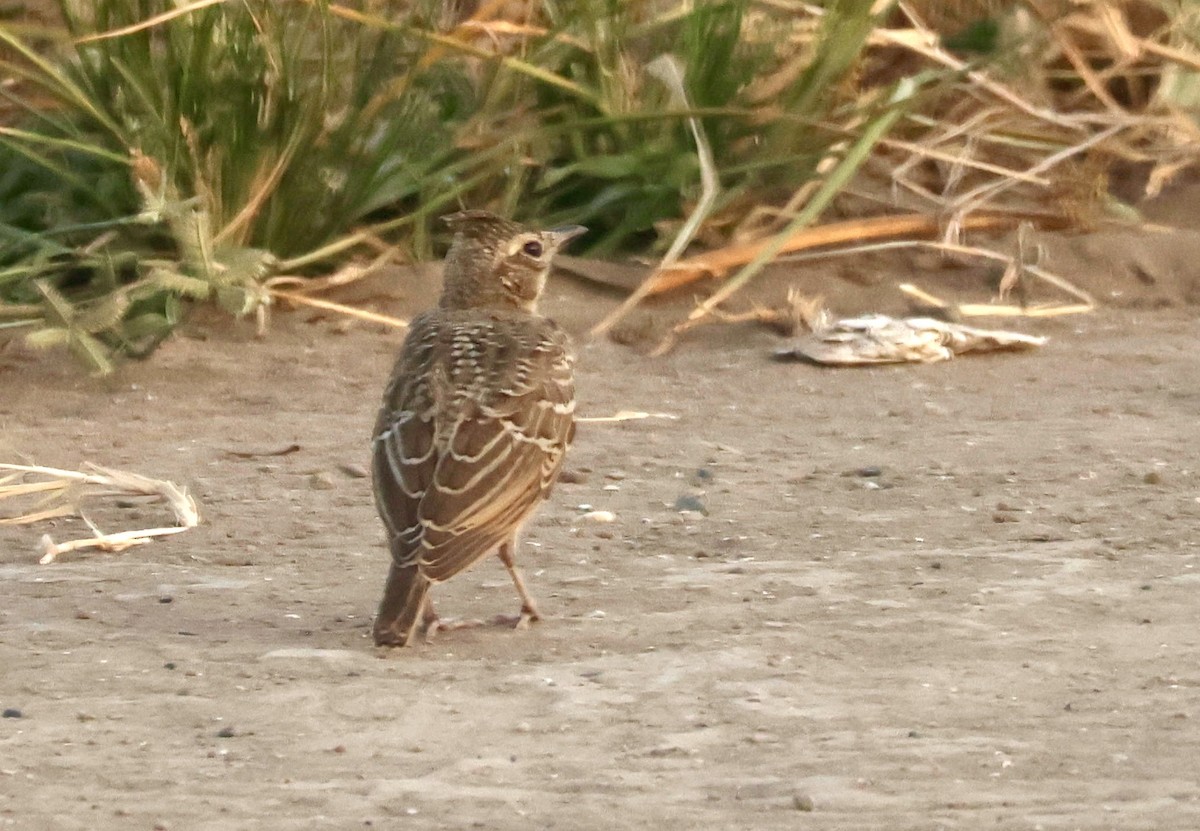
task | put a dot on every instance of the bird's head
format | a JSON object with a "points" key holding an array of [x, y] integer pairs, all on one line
{"points": [[495, 263]]}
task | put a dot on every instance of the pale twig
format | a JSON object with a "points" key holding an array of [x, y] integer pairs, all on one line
{"points": [[973, 199], [625, 415], [921, 151], [340, 308], [995, 310], [350, 273], [1032, 270], [181, 503], [107, 542]]}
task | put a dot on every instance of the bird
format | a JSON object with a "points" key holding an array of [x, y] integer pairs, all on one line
{"points": [[476, 421]]}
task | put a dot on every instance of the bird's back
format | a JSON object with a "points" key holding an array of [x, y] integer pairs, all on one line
{"points": [[475, 423]]}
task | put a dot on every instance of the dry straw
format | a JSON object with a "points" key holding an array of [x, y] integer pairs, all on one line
{"points": [[62, 492]]}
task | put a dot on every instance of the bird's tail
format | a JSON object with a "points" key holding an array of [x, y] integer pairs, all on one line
{"points": [[403, 604]]}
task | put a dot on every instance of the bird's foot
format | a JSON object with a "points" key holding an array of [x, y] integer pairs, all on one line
{"points": [[528, 616], [438, 624]]}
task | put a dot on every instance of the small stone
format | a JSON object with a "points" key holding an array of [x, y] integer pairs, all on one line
{"points": [[616, 475], [353, 471], [169, 665], [687, 502], [166, 598], [869, 471], [599, 516], [226, 733], [1153, 478], [803, 802], [572, 477], [12, 712], [321, 481]]}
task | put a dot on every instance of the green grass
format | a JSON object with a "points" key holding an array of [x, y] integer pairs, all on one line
{"points": [[190, 159]]}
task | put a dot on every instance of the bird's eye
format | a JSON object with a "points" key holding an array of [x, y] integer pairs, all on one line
{"points": [[533, 248]]}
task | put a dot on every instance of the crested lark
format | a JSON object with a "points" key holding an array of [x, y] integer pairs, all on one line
{"points": [[476, 419]]}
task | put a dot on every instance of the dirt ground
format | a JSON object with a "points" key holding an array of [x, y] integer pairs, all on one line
{"points": [[961, 595]]}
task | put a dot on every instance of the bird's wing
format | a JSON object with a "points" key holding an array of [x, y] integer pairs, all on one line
{"points": [[472, 446]]}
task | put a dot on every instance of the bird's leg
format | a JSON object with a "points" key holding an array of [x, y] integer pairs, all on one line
{"points": [[529, 612], [434, 624]]}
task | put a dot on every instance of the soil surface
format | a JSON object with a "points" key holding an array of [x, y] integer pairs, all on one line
{"points": [[963, 595]]}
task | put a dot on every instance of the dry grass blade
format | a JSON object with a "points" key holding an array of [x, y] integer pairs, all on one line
{"points": [[666, 68], [340, 308], [995, 309], [95, 481], [306, 286], [105, 542], [625, 415], [151, 22], [720, 262]]}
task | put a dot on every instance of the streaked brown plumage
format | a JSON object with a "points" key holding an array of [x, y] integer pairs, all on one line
{"points": [[476, 419]]}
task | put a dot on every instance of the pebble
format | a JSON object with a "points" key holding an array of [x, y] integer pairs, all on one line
{"points": [[226, 733], [321, 481], [869, 471], [599, 516], [1153, 478], [687, 502], [353, 471], [13, 712], [803, 802], [572, 477]]}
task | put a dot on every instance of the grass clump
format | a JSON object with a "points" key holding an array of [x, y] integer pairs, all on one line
{"points": [[154, 153], [153, 162]]}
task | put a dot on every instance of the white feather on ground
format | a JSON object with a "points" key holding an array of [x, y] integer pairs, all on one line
{"points": [[879, 339]]}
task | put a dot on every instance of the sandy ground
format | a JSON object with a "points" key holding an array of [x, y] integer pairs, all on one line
{"points": [[960, 596]]}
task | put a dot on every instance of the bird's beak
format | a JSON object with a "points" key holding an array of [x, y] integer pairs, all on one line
{"points": [[565, 233]]}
